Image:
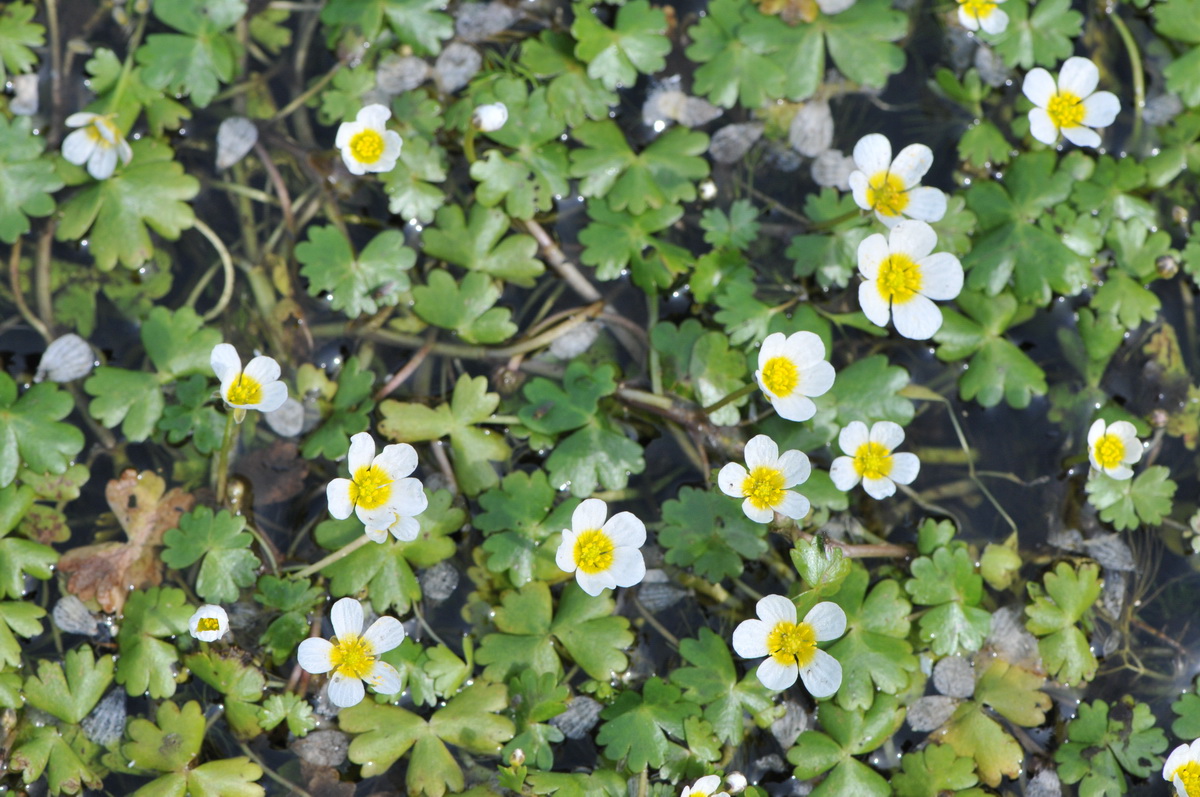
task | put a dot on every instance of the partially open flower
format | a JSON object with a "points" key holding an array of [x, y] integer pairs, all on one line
{"points": [[707, 786], [982, 15], [379, 490], [209, 623], [353, 656], [366, 143], [97, 142], [255, 388], [892, 188], [603, 554], [491, 117], [1113, 447]]}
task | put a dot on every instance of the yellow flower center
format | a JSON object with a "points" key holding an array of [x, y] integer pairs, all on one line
{"points": [[792, 643], [1189, 773], [1109, 451], [872, 461], [1065, 110], [780, 376], [371, 487], [208, 624], [245, 391], [764, 487], [353, 656], [980, 9], [899, 278], [366, 146], [593, 551], [885, 193]]}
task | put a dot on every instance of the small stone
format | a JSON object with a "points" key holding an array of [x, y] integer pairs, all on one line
{"points": [[323, 748], [1044, 784], [831, 169], [954, 676], [580, 717], [1112, 595], [397, 74], [455, 67], [72, 617], [1111, 552], [992, 69], [811, 130], [1010, 639], [439, 582], [236, 136], [1067, 539], [732, 142], [657, 592], [476, 22], [25, 91], [1162, 109], [106, 723], [288, 420], [795, 721], [930, 712], [67, 358]]}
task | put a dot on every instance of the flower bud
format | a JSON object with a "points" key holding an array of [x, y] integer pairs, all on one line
{"points": [[488, 118], [735, 783]]}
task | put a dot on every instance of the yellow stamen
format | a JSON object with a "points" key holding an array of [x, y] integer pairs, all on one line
{"points": [[208, 624], [1065, 110], [872, 461], [792, 643], [780, 376], [885, 193], [899, 278], [370, 487], [366, 146], [764, 487], [594, 551], [980, 9], [353, 656], [1109, 451], [1189, 774], [245, 390]]}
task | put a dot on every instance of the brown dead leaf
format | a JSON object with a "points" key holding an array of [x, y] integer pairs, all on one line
{"points": [[793, 12], [108, 570], [276, 472]]}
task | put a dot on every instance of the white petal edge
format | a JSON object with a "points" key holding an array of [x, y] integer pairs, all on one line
{"points": [[872, 251], [823, 677], [384, 634], [918, 318], [912, 163], [759, 515], [347, 617], [102, 163], [374, 116], [78, 147], [793, 505], [1041, 127], [346, 692], [337, 493], [912, 237], [843, 474], [1078, 76], [852, 436], [564, 557], [795, 467], [994, 23], [887, 433], [314, 655], [405, 529], [628, 567], [761, 451], [384, 679], [398, 460], [772, 609], [262, 369], [873, 153], [750, 639], [776, 676], [941, 276], [1101, 109], [925, 204], [595, 583], [1096, 431], [827, 620], [274, 394], [626, 530], [362, 452], [1039, 87], [905, 468], [816, 379], [795, 407], [873, 305], [731, 478], [1081, 136], [805, 349], [590, 514], [879, 489], [225, 363], [858, 189]]}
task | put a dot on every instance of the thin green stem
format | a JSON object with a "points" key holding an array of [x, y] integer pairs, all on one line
{"points": [[339, 554], [226, 264], [127, 68], [307, 94], [1135, 64], [745, 390], [469, 144], [223, 457]]}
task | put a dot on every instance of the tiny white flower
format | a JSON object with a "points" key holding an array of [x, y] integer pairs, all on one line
{"points": [[764, 481], [790, 647], [1182, 769], [1071, 106], [892, 188], [871, 459], [489, 118], [705, 787], [209, 623], [255, 388], [603, 554], [1113, 447], [354, 656], [790, 369], [901, 278], [736, 782], [366, 143], [97, 142], [982, 15], [379, 490]]}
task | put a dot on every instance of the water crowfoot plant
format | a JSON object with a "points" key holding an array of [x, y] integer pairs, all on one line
{"points": [[892, 188], [765, 480], [790, 647], [1113, 447], [1182, 769], [1071, 105], [97, 142], [366, 143], [353, 656], [601, 551], [870, 458], [209, 623], [380, 490], [902, 276], [791, 370]]}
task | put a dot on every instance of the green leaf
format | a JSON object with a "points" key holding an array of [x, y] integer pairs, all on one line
{"points": [[662, 174], [26, 180], [846, 734], [1187, 720], [178, 343], [615, 241], [636, 43], [584, 626], [1014, 692], [1044, 37], [162, 112], [170, 743], [1053, 615], [973, 733], [66, 757], [419, 23], [132, 399], [410, 186], [712, 682], [348, 415], [737, 229], [874, 652], [636, 726], [983, 144], [709, 532], [1126, 300], [18, 37], [518, 523], [228, 674], [31, 434], [935, 771], [571, 94], [553, 410], [295, 599], [737, 56], [948, 582], [221, 541], [1103, 744], [358, 285], [476, 246], [290, 708], [197, 62], [597, 454], [72, 692], [147, 662], [152, 191], [194, 416], [467, 308], [341, 101], [1125, 503], [537, 698], [17, 618], [823, 567]]}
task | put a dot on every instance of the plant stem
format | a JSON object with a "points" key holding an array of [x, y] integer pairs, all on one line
{"points": [[14, 276], [226, 263], [340, 553], [1139, 75], [469, 144], [745, 390], [223, 457], [127, 68]]}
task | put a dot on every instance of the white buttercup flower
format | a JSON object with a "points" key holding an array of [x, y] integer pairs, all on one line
{"points": [[209, 623], [491, 117], [871, 459], [366, 143], [1113, 447], [982, 15], [603, 554], [97, 142], [354, 656], [892, 188], [1182, 769], [255, 388], [379, 490], [1071, 106], [707, 786], [790, 369], [764, 481], [790, 647], [901, 278]]}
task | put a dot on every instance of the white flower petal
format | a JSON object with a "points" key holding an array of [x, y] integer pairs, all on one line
{"points": [[345, 692], [347, 617], [626, 530], [805, 349], [590, 514], [384, 634], [816, 379], [397, 461], [852, 436], [843, 474], [793, 505], [273, 396], [225, 363], [905, 467], [374, 116], [345, 132], [595, 583], [795, 407], [750, 639], [1128, 434], [1081, 136], [858, 189], [384, 679], [564, 557], [795, 468], [1042, 127], [352, 165], [773, 346], [81, 118], [924, 203], [262, 369], [1039, 87], [1119, 472], [872, 251], [772, 609], [827, 619], [705, 786], [362, 452], [873, 154], [405, 529], [1101, 109], [102, 163], [408, 498], [911, 164], [1096, 431], [879, 489], [776, 676], [376, 534], [758, 514], [78, 147], [941, 276], [918, 318], [731, 478], [1078, 76], [913, 238], [968, 21], [887, 434], [994, 23], [888, 221], [209, 612], [873, 305], [338, 496], [761, 451], [315, 655], [392, 144], [628, 567], [823, 677]]}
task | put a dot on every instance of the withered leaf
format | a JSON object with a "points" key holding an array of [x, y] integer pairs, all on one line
{"points": [[108, 570], [276, 472]]}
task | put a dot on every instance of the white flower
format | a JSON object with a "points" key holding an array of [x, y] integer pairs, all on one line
{"points": [[976, 14], [892, 188], [1071, 107], [901, 278], [790, 646], [602, 554], [491, 117], [256, 388], [379, 490], [97, 142], [792, 368], [209, 623], [366, 143], [764, 485], [871, 459], [1112, 448], [1183, 769], [705, 787], [354, 656]]}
